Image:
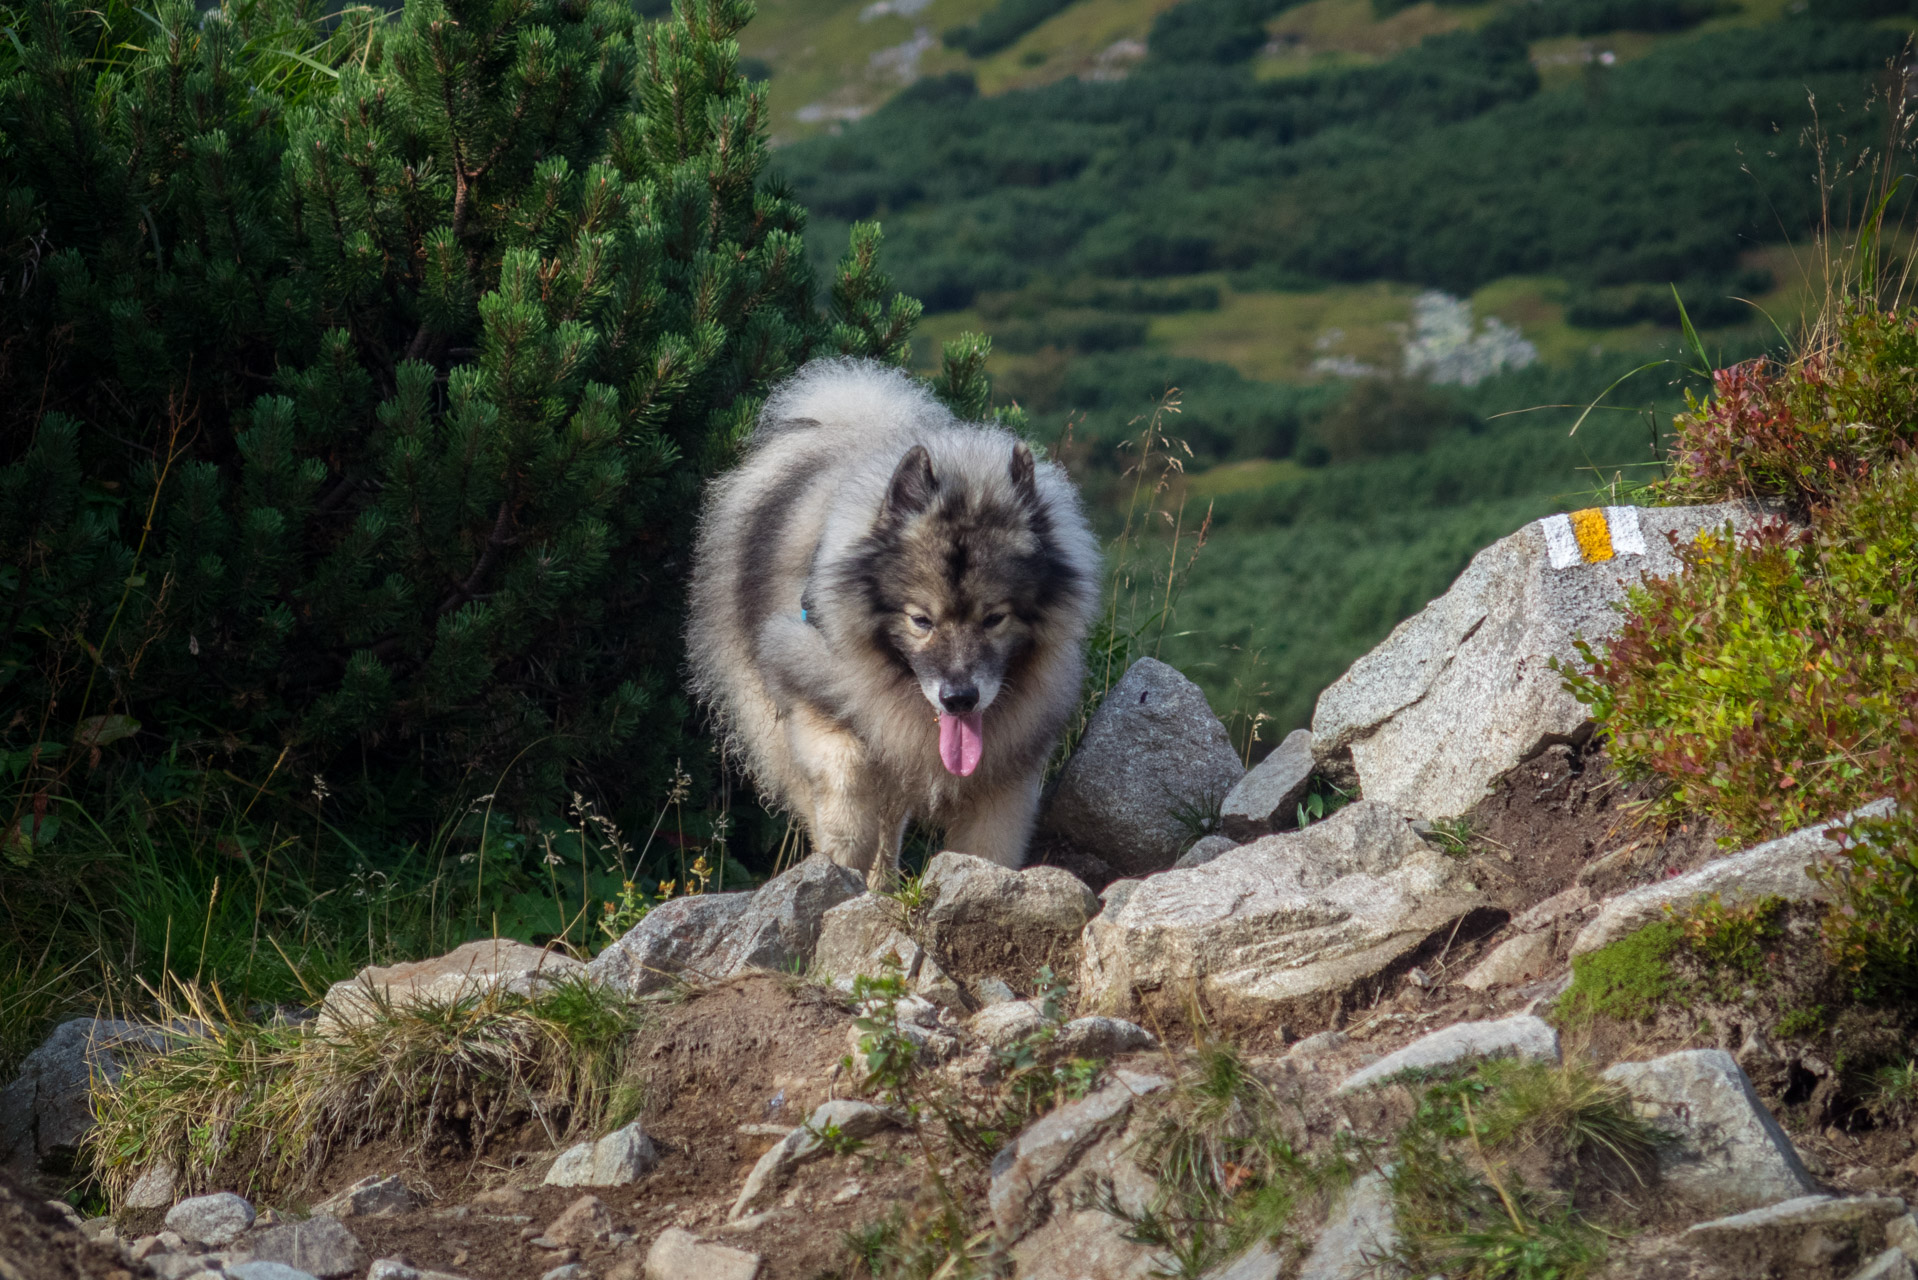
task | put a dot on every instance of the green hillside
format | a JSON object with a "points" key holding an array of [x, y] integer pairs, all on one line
{"points": [[1378, 249]]}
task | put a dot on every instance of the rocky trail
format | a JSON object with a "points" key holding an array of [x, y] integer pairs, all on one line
{"points": [[1424, 930]]}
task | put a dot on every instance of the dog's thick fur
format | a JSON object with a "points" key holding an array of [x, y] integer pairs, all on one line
{"points": [[871, 557]]}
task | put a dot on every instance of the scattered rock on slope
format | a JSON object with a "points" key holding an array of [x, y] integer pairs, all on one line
{"points": [[720, 935], [1776, 868], [619, 1159], [1730, 1153], [48, 1108], [1464, 690], [487, 965], [1521, 1037], [1268, 796], [1287, 918], [1153, 753], [981, 919]]}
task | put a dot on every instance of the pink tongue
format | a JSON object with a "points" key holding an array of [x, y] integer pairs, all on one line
{"points": [[962, 741]]}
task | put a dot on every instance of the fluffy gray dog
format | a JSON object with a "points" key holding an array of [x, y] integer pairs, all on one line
{"points": [[889, 615]]}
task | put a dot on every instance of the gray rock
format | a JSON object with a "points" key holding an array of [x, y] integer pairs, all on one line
{"points": [[1288, 917], [853, 1120], [568, 1271], [676, 937], [371, 1197], [1077, 1241], [1267, 797], [47, 1110], [1205, 849], [681, 1255], [990, 991], [1730, 1153], [153, 1189], [1314, 1049], [982, 919], [1773, 869], [465, 972], [1574, 903], [320, 1244], [262, 1270], [1000, 1025], [585, 1221], [1358, 1237], [780, 927], [396, 1269], [719, 935], [1804, 1236], [1464, 691], [1153, 750], [1902, 1232], [216, 1220], [176, 1266], [1892, 1264], [1521, 1037], [619, 1159], [1025, 1169], [867, 936], [1097, 1037], [1526, 958]]}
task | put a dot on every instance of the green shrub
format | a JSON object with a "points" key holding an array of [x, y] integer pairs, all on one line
{"points": [[1767, 686], [1804, 431], [1630, 979], [1871, 928], [360, 378], [1732, 937]]}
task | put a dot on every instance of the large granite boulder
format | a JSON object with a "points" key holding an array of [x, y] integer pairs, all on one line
{"points": [[1729, 1153], [477, 968], [1776, 869], [47, 1110], [1286, 919], [1153, 758], [718, 935], [1463, 691], [1523, 1036]]}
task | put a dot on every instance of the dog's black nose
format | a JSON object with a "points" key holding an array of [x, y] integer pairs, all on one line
{"points": [[958, 698]]}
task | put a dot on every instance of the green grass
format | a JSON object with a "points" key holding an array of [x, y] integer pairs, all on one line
{"points": [[1631, 980]]}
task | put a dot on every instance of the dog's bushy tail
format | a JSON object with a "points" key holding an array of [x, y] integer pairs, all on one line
{"points": [[848, 393]]}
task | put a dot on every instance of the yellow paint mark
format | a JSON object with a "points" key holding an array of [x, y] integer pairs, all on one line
{"points": [[1594, 536]]}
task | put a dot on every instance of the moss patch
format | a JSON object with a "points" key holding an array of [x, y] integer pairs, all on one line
{"points": [[1630, 979]]}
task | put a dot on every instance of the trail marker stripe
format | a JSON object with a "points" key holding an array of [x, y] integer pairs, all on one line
{"points": [[1592, 536]]}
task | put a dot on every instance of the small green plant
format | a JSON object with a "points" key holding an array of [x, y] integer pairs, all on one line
{"points": [[1631, 979], [1871, 928], [1226, 1174], [1894, 1092], [1796, 1024], [1452, 835], [1465, 1211], [1199, 816], [1731, 937], [1323, 800], [835, 1141]]}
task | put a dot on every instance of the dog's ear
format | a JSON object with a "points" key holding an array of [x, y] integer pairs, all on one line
{"points": [[913, 484], [1024, 473]]}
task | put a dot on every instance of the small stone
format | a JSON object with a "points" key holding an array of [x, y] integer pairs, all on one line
{"points": [[216, 1220], [1520, 1037], [321, 1245], [1000, 1025], [175, 1266], [852, 1120], [1512, 962], [1026, 1167], [1204, 850], [680, 1255], [475, 968], [568, 1271], [144, 1247], [1360, 1232], [1892, 1264], [848, 1193], [585, 1220], [616, 1160], [262, 1270], [371, 1197], [1267, 798], [171, 1241], [1902, 1232], [1102, 1038], [989, 991], [153, 1189], [544, 1242]]}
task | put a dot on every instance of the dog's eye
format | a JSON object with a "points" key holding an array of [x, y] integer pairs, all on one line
{"points": [[920, 621], [993, 620]]}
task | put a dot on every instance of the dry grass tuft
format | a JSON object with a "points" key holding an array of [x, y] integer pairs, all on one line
{"points": [[261, 1106]]}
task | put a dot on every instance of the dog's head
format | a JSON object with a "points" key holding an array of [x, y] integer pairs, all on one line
{"points": [[958, 574]]}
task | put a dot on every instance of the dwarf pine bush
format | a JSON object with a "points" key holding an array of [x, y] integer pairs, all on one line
{"points": [[359, 373]]}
